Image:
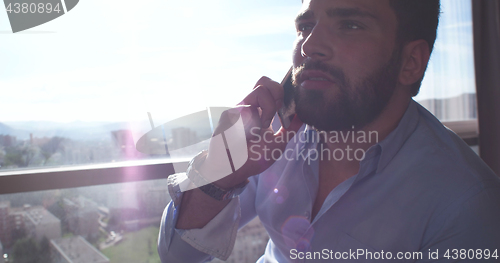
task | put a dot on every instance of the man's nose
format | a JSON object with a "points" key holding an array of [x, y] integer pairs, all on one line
{"points": [[316, 45]]}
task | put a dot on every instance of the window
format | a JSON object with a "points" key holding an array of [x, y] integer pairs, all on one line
{"points": [[449, 87], [80, 87], [77, 92]]}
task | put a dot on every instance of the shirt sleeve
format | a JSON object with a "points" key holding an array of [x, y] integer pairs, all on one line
{"points": [[216, 239]]}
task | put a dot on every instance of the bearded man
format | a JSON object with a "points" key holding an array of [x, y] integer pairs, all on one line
{"points": [[416, 193]]}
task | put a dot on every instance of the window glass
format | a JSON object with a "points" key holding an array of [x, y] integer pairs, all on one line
{"points": [[449, 87], [78, 89], [117, 222]]}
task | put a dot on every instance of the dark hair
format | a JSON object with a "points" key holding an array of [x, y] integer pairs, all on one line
{"points": [[417, 19]]}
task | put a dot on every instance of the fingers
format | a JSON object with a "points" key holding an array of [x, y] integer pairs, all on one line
{"points": [[268, 96], [274, 87], [228, 118]]}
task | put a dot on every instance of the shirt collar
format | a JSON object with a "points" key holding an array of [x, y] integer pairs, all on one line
{"points": [[395, 140], [309, 129]]}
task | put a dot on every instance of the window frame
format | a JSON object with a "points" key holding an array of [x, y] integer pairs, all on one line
{"points": [[20, 181]]}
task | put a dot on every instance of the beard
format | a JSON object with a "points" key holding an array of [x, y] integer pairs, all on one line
{"points": [[347, 105]]}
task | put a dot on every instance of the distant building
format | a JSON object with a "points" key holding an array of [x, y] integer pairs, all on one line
{"points": [[2, 156], [39, 223], [15, 225], [125, 142], [4, 229], [75, 250], [250, 243], [1, 253], [35, 222], [38, 141], [155, 199], [124, 198], [82, 215], [7, 140]]}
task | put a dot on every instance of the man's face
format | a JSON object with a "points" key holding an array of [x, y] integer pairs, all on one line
{"points": [[345, 60]]}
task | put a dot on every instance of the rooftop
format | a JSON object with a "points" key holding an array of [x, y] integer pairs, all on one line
{"points": [[77, 250], [4, 204], [39, 215]]}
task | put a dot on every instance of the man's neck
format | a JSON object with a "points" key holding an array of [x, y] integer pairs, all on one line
{"points": [[355, 142], [335, 170]]}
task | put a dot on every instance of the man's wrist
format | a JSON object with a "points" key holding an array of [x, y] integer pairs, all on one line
{"points": [[226, 190], [229, 182]]}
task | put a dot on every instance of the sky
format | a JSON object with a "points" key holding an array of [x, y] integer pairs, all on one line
{"points": [[116, 60]]}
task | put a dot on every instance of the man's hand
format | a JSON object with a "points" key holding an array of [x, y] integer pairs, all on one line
{"points": [[256, 112]]}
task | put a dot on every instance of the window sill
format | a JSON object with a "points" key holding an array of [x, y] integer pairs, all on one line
{"points": [[467, 130], [27, 180]]}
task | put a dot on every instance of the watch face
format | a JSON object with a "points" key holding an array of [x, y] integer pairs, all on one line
{"points": [[221, 194], [214, 192]]}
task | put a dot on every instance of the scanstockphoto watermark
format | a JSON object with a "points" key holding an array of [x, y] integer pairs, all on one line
{"points": [[365, 254], [343, 145], [356, 254]]}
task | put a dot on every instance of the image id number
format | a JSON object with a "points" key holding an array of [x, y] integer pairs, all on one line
{"points": [[471, 254], [32, 8]]}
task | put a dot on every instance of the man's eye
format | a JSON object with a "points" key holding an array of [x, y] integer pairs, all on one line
{"points": [[350, 25], [304, 27]]}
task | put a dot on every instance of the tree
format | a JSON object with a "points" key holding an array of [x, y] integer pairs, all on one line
{"points": [[25, 250], [14, 159], [19, 156], [52, 146], [44, 255], [18, 234]]}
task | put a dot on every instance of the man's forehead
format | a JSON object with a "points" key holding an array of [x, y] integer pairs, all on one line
{"points": [[376, 7], [378, 11]]}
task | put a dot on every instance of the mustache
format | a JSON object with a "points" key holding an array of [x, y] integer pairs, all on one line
{"points": [[335, 72]]}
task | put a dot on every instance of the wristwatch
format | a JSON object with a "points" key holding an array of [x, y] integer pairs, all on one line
{"points": [[208, 188]]}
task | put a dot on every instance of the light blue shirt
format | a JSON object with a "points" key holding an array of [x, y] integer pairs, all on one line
{"points": [[420, 191]]}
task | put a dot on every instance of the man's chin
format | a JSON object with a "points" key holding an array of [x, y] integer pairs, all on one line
{"points": [[323, 121], [317, 85], [331, 126], [335, 116]]}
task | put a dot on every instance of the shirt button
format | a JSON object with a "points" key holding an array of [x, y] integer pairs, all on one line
{"points": [[307, 215]]}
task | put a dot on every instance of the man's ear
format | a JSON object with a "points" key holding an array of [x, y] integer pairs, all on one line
{"points": [[415, 56]]}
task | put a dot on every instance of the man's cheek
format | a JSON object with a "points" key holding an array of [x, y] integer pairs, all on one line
{"points": [[297, 53]]}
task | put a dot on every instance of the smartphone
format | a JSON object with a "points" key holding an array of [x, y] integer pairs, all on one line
{"points": [[287, 112]]}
